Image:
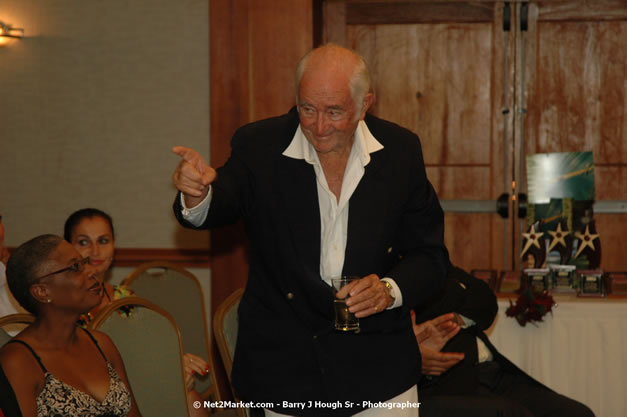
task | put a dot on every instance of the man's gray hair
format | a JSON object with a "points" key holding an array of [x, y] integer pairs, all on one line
{"points": [[360, 83]]}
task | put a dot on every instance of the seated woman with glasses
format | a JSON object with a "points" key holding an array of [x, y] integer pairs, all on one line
{"points": [[91, 233], [56, 367]]}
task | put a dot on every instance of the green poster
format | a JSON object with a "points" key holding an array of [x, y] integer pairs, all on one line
{"points": [[560, 175]]}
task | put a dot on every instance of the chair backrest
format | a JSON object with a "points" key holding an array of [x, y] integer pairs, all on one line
{"points": [[150, 344], [225, 325], [12, 324], [179, 292]]}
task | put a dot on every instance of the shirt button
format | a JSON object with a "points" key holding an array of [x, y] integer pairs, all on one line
{"points": [[290, 296], [390, 249]]}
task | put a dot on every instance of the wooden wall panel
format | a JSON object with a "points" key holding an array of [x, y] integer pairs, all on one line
{"points": [[254, 48], [577, 99], [611, 230], [461, 182], [443, 78], [468, 239], [560, 85], [281, 32], [581, 10], [434, 80], [429, 12], [610, 183], [467, 236], [334, 22], [229, 109], [502, 137]]}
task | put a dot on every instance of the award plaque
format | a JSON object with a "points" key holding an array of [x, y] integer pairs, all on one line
{"points": [[563, 278], [537, 279], [591, 283], [616, 283]]}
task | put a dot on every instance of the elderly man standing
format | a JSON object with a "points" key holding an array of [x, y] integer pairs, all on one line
{"points": [[325, 190]]}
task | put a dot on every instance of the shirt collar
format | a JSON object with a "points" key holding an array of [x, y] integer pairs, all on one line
{"points": [[365, 144]]}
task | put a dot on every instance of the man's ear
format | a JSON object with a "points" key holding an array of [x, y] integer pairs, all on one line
{"points": [[365, 104], [40, 292]]}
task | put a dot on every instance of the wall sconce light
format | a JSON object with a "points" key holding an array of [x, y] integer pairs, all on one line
{"points": [[8, 31]]}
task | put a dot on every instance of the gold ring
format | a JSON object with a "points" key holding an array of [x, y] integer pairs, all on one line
{"points": [[375, 309]]}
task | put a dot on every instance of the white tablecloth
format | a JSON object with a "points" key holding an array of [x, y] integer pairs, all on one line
{"points": [[580, 351]]}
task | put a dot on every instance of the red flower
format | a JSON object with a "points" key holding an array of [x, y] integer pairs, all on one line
{"points": [[530, 307]]}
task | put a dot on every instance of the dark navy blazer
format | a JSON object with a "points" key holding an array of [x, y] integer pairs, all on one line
{"points": [[287, 349]]}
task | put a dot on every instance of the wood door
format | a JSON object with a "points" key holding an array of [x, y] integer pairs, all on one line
{"points": [[443, 71], [576, 99]]}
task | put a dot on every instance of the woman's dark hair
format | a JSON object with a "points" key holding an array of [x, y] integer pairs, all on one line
{"points": [[86, 213], [24, 266]]}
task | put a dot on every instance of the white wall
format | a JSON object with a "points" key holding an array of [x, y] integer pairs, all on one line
{"points": [[91, 101]]}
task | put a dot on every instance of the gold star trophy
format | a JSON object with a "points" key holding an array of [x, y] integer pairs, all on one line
{"points": [[533, 253], [589, 246], [563, 276]]}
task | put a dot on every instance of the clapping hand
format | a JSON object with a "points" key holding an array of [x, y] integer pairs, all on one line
{"points": [[432, 335]]}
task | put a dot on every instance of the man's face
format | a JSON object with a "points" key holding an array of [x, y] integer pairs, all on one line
{"points": [[327, 112]]}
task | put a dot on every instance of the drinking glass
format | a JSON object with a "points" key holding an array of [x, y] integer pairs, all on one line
{"points": [[344, 320]]}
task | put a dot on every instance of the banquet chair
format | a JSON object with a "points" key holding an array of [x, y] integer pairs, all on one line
{"points": [[179, 292], [150, 344], [225, 325], [13, 323]]}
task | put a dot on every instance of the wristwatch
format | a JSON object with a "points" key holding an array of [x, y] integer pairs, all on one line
{"points": [[390, 289]]}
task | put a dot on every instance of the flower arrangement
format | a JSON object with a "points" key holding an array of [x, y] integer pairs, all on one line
{"points": [[530, 307]]}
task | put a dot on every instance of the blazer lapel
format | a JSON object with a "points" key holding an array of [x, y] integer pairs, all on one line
{"points": [[302, 212], [364, 216]]}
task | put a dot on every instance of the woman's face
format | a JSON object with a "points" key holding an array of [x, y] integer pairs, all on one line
{"points": [[71, 283], [93, 237]]}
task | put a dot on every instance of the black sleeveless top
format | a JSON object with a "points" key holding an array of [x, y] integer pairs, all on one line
{"points": [[58, 399]]}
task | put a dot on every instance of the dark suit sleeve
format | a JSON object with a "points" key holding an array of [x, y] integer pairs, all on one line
{"points": [[423, 257], [480, 303], [465, 295]]}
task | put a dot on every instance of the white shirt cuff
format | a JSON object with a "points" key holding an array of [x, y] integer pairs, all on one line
{"points": [[197, 214]]}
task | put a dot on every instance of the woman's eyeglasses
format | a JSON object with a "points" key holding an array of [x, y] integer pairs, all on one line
{"points": [[77, 266]]}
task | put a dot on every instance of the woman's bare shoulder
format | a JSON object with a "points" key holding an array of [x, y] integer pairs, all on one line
{"points": [[19, 362]]}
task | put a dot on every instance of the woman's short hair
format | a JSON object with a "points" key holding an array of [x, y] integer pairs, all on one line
{"points": [[87, 213], [24, 267]]}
